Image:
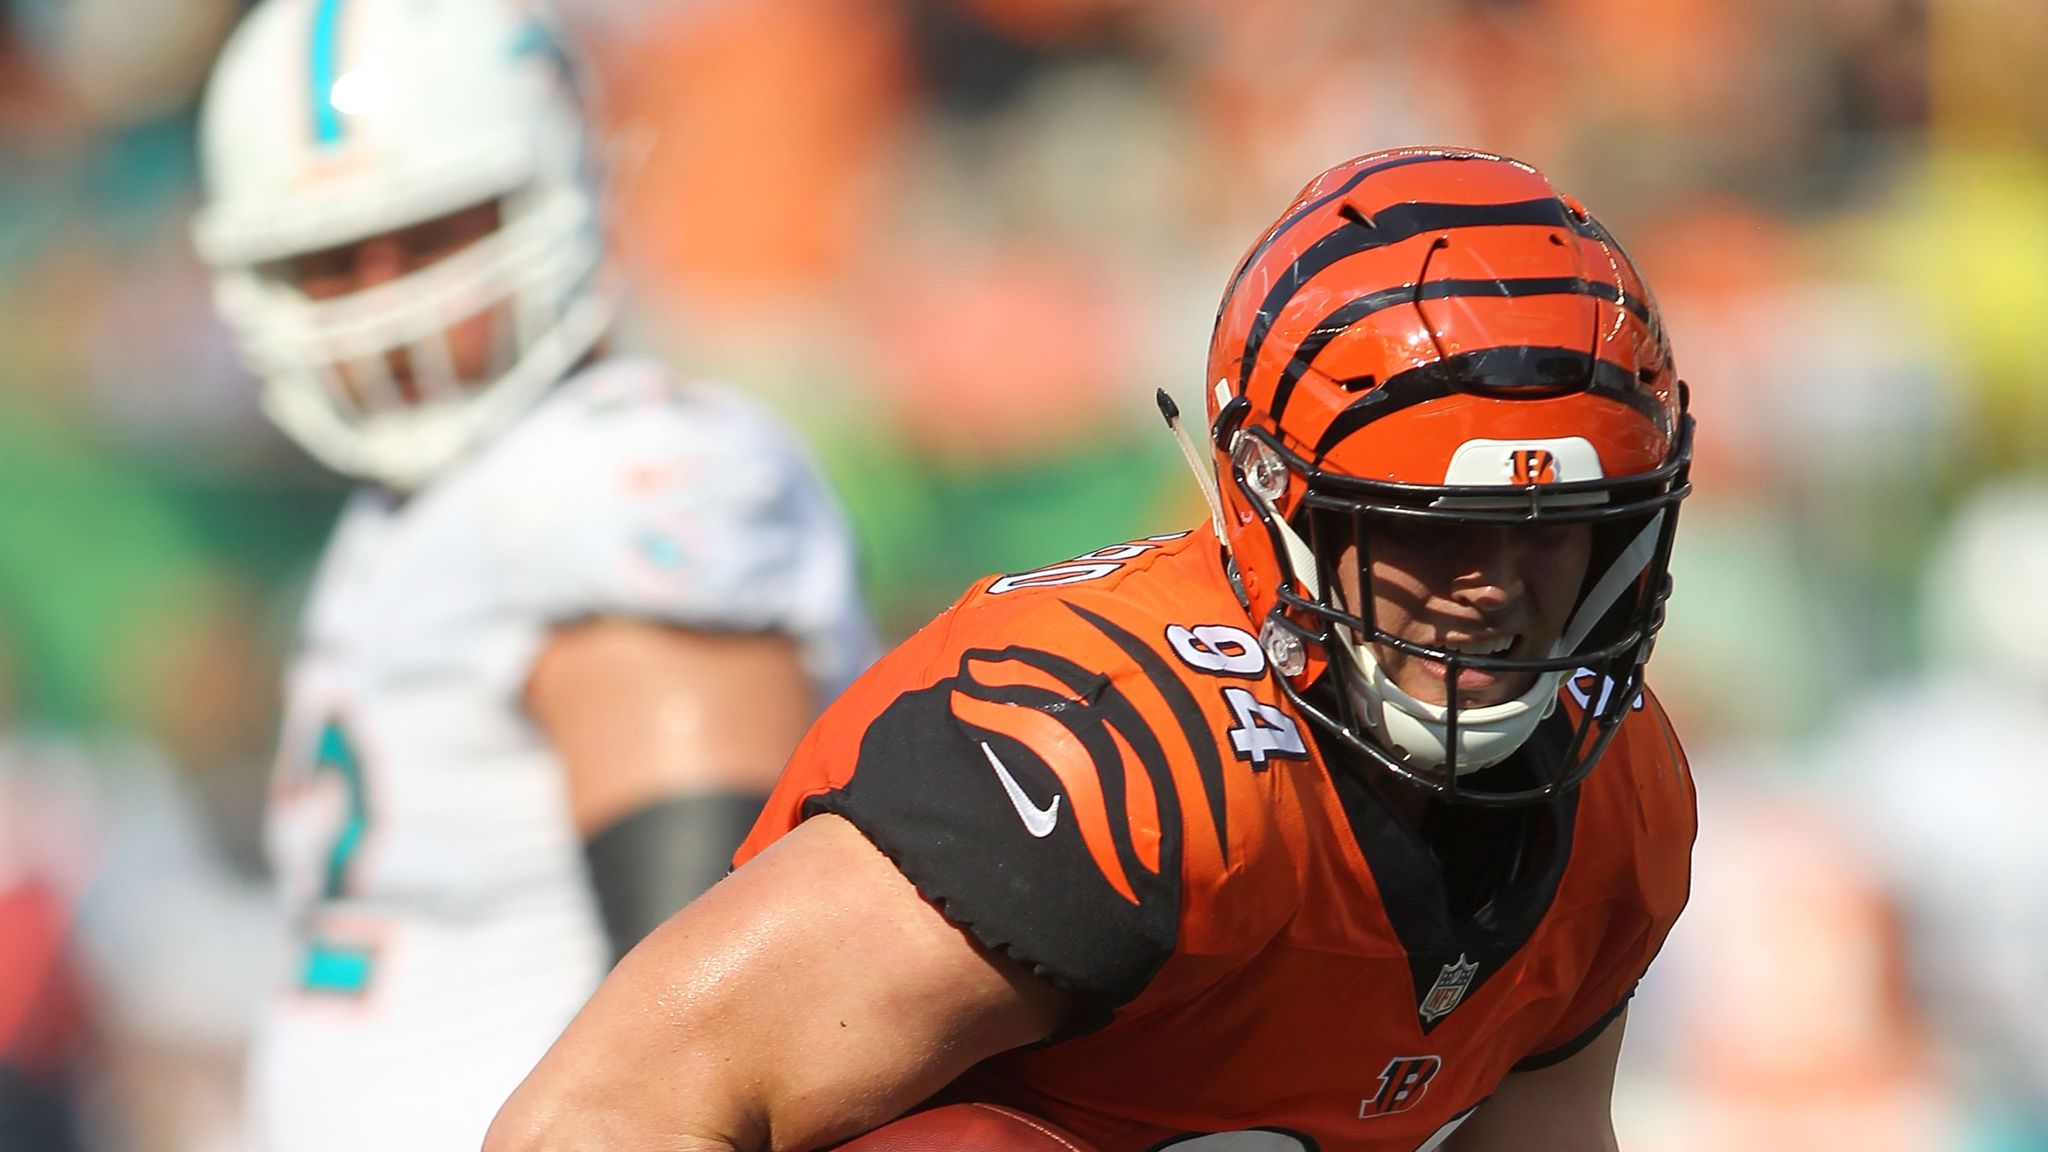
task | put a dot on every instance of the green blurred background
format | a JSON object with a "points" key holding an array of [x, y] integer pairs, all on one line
{"points": [[959, 243]]}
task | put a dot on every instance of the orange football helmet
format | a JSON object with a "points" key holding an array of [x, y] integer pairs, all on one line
{"points": [[1438, 336]]}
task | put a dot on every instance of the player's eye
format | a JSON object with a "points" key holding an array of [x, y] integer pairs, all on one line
{"points": [[443, 236], [1551, 537], [365, 263], [315, 272]]}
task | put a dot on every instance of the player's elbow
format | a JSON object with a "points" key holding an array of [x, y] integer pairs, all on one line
{"points": [[538, 1119], [531, 1122], [518, 1127]]}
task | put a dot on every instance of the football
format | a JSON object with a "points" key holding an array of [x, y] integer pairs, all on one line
{"points": [[967, 1128]]}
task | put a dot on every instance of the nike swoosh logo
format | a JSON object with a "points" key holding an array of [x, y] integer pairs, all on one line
{"points": [[1037, 821]]}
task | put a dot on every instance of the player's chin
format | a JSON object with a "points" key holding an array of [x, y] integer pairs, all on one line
{"points": [[1512, 687], [1429, 681]]}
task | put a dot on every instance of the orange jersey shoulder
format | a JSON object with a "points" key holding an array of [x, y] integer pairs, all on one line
{"points": [[1631, 868]]}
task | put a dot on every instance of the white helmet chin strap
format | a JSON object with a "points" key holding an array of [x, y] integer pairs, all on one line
{"points": [[1415, 729]]}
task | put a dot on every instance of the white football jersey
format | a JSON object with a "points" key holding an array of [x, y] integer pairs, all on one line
{"points": [[443, 926]]}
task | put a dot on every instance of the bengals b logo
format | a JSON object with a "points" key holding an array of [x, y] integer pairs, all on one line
{"points": [[1532, 466], [1403, 1082]]}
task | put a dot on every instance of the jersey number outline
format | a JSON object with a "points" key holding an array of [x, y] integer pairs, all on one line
{"points": [[1260, 730], [1218, 649], [1081, 569], [335, 966], [1580, 685]]}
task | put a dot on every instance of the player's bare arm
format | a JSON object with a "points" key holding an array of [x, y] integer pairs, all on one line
{"points": [[812, 995], [641, 712], [669, 740], [1566, 1107]]}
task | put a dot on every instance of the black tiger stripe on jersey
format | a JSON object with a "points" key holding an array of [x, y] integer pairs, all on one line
{"points": [[1201, 739], [945, 782], [1096, 706]]}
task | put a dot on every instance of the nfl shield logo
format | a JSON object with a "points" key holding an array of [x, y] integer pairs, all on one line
{"points": [[1449, 989]]}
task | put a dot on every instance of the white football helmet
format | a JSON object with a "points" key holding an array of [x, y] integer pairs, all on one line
{"points": [[328, 122]]}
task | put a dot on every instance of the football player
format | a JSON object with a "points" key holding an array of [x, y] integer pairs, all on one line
{"points": [[1343, 821], [577, 616]]}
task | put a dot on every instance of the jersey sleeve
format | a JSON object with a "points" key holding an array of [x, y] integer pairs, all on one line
{"points": [[686, 506], [1606, 995], [1650, 787], [1026, 789]]}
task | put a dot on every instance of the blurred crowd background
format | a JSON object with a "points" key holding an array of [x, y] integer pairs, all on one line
{"points": [[960, 243]]}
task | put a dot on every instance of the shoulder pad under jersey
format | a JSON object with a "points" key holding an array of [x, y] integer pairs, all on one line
{"points": [[625, 493]]}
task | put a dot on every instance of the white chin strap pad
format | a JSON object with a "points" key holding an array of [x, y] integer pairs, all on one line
{"points": [[1415, 729]]}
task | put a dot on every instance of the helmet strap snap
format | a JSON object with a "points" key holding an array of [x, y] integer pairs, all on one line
{"points": [[1284, 647]]}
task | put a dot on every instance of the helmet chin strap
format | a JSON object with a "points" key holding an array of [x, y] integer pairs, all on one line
{"points": [[1205, 473], [1623, 572], [1416, 729]]}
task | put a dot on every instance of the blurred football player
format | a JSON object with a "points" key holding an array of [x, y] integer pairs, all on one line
{"points": [[1343, 821], [574, 621]]}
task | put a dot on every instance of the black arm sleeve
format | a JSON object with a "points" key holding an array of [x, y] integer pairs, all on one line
{"points": [[652, 861], [34, 1116], [1005, 806]]}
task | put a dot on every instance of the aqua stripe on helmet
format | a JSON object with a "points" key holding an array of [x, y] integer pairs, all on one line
{"points": [[321, 69]]}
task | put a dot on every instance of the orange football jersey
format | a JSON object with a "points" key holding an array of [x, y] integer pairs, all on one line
{"points": [[1091, 769]]}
